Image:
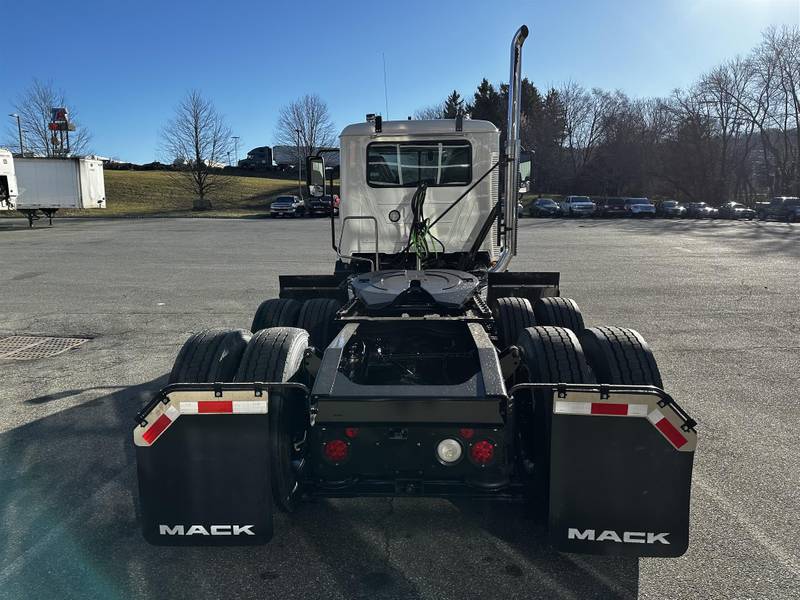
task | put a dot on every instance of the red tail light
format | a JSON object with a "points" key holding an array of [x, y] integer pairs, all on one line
{"points": [[466, 433], [336, 451], [351, 432], [482, 452]]}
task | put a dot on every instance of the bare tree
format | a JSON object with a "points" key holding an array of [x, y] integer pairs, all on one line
{"points": [[198, 141], [428, 113], [33, 107], [307, 121], [585, 113]]}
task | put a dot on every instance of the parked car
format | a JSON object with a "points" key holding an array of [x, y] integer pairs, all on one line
{"points": [[287, 206], [544, 207], [640, 207], [613, 207], [322, 206], [734, 210], [671, 209], [782, 208], [578, 206], [761, 207], [701, 210]]}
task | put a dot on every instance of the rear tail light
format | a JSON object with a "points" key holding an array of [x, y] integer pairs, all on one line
{"points": [[336, 451], [466, 433], [482, 452], [351, 432]]}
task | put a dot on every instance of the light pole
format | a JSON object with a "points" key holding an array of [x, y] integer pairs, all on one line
{"points": [[19, 128], [235, 139], [299, 181]]}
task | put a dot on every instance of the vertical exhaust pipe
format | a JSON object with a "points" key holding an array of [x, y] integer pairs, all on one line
{"points": [[512, 150], [512, 141]]}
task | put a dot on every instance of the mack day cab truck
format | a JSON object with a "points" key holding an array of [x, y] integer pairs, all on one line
{"points": [[420, 367]]}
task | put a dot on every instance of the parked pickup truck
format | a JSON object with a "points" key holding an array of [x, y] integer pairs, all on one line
{"points": [[287, 206], [781, 208], [578, 206]]}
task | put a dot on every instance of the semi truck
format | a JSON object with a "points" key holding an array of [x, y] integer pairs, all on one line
{"points": [[420, 366]]}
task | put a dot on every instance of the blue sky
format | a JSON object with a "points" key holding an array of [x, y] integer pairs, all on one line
{"points": [[125, 65]]}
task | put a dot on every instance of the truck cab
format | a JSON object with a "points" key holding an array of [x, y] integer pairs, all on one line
{"points": [[386, 164], [8, 181]]}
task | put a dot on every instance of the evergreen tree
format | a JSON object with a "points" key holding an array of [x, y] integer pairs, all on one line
{"points": [[453, 105], [487, 104]]}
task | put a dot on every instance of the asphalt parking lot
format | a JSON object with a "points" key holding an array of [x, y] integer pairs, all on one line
{"points": [[718, 302]]}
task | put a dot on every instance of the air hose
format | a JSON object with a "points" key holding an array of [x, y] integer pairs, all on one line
{"points": [[420, 237]]}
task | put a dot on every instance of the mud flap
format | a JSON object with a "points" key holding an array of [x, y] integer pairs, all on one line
{"points": [[620, 473], [203, 465]]}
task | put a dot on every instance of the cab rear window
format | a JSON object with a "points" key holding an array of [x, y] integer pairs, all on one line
{"points": [[408, 164]]}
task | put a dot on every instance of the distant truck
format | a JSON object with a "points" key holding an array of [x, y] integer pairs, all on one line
{"points": [[258, 159], [8, 181], [48, 184]]}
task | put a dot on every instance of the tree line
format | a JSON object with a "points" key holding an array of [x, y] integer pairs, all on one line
{"points": [[732, 135]]}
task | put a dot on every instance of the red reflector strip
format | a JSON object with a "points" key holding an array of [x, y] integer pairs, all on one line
{"points": [[600, 408], [212, 407], [215, 406], [614, 409], [671, 432], [159, 425], [156, 429]]}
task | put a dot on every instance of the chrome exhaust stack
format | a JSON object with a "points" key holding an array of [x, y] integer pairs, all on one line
{"points": [[512, 151]]}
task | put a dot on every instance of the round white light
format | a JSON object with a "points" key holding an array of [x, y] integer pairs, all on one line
{"points": [[449, 451]]}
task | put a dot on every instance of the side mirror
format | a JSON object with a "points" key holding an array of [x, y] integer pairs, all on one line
{"points": [[315, 176]]}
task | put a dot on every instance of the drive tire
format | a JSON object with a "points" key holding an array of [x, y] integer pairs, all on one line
{"points": [[558, 312], [317, 318], [276, 312], [619, 355], [210, 356], [549, 355], [512, 315], [276, 355], [553, 355]]}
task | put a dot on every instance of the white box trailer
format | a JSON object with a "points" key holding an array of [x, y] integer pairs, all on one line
{"points": [[50, 184], [8, 181]]}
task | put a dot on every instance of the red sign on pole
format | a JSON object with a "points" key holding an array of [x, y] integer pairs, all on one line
{"points": [[59, 115]]}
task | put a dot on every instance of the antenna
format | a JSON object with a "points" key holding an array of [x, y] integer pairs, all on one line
{"points": [[385, 88]]}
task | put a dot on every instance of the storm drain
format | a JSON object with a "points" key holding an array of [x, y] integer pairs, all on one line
{"points": [[29, 347]]}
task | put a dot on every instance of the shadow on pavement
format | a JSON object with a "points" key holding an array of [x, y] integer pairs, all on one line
{"points": [[68, 529], [770, 236]]}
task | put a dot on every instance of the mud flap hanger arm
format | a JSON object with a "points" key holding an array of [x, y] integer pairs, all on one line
{"points": [[604, 390], [258, 388]]}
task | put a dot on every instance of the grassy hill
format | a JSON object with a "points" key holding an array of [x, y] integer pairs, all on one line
{"points": [[158, 193]]}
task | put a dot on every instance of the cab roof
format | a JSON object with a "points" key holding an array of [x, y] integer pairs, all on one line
{"points": [[433, 127]]}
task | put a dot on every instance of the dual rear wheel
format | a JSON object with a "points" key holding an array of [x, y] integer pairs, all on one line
{"points": [[512, 315], [271, 355], [316, 316], [557, 347], [272, 351]]}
